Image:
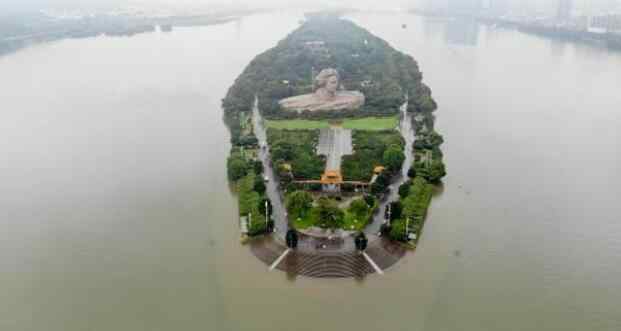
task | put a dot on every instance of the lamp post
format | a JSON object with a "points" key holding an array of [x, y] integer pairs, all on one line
{"points": [[407, 225], [266, 222]]}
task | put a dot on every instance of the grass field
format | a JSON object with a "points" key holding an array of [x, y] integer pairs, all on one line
{"points": [[364, 124], [372, 123], [297, 124]]}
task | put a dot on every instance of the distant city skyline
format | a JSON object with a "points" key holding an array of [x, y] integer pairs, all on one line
{"points": [[548, 8]]}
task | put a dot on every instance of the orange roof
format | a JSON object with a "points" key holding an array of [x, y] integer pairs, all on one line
{"points": [[332, 177], [377, 170]]}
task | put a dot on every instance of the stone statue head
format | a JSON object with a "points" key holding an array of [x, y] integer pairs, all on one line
{"points": [[327, 82]]}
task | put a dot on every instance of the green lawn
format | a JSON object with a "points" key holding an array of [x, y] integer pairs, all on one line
{"points": [[365, 124], [352, 223], [305, 223], [297, 124], [371, 123]]}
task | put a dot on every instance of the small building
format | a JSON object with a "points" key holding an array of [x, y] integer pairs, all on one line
{"points": [[331, 181]]}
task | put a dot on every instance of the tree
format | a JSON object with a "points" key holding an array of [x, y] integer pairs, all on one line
{"points": [[435, 139], [259, 185], [412, 172], [359, 208], [393, 158], [329, 213], [395, 210], [381, 184], [437, 171], [248, 141], [237, 167], [299, 203], [404, 189], [432, 172], [283, 150], [257, 167], [369, 199]]}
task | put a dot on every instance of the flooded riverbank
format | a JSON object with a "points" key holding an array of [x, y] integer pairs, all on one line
{"points": [[117, 213]]}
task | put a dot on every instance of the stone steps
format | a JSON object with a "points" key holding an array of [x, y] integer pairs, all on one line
{"points": [[325, 263]]}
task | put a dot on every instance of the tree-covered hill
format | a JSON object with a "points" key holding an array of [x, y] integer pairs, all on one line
{"points": [[364, 62]]}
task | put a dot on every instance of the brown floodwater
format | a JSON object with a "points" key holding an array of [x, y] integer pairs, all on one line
{"points": [[116, 213]]}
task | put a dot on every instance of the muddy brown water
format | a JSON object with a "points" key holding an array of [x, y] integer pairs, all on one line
{"points": [[116, 213]]}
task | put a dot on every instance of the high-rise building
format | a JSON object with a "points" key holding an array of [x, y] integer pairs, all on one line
{"points": [[565, 7]]}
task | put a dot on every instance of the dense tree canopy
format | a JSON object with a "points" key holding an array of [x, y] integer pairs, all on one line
{"points": [[393, 158], [369, 152], [364, 61], [297, 148], [299, 203], [329, 214]]}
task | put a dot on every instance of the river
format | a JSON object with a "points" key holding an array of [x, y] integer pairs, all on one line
{"points": [[116, 213]]}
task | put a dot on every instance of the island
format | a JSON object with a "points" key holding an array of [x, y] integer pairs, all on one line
{"points": [[334, 156]]}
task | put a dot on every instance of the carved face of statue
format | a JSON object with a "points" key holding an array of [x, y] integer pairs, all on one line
{"points": [[332, 84], [328, 82]]}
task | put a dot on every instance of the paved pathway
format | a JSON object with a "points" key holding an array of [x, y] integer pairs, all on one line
{"points": [[334, 143]]}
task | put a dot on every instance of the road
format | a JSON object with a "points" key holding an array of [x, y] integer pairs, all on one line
{"points": [[405, 127], [272, 190]]}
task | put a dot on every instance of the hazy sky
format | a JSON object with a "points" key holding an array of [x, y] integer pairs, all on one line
{"points": [[85, 3], [374, 4]]}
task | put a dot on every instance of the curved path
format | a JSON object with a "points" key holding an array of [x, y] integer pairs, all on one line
{"points": [[316, 257]]}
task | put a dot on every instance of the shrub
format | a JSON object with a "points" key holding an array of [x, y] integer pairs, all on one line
{"points": [[404, 189]]}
